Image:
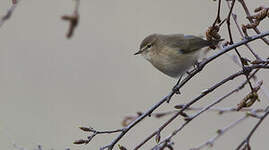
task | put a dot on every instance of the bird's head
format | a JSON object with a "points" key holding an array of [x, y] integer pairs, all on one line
{"points": [[149, 46]]}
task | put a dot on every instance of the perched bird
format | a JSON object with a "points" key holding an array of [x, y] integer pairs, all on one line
{"points": [[173, 54]]}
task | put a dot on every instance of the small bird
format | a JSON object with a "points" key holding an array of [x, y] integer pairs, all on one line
{"points": [[173, 54]]}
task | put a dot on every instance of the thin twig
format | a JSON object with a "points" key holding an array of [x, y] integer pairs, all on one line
{"points": [[246, 140], [265, 91], [220, 132], [241, 33], [94, 133], [209, 90], [73, 20], [177, 87], [251, 20], [231, 42], [9, 13], [217, 20], [220, 110], [190, 118]]}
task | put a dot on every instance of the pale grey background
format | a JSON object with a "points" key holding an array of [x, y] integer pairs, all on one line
{"points": [[50, 85]]}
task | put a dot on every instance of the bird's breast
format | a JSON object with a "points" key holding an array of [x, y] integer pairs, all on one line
{"points": [[172, 63]]}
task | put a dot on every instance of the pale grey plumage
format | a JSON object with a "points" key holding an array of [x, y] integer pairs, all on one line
{"points": [[173, 54]]}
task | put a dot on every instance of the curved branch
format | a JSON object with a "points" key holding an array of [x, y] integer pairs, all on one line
{"points": [[178, 86], [211, 89]]}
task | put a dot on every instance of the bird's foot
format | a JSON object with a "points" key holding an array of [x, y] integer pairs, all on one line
{"points": [[176, 90], [196, 64]]}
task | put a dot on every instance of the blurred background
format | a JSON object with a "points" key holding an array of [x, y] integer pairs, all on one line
{"points": [[49, 85]]}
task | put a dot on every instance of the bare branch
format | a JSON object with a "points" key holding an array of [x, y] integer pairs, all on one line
{"points": [[220, 132], [9, 12], [251, 21], [73, 20], [241, 33], [190, 118], [231, 42], [217, 20], [94, 133], [178, 86], [246, 141], [220, 110]]}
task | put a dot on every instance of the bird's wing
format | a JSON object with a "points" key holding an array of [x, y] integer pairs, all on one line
{"points": [[188, 43]]}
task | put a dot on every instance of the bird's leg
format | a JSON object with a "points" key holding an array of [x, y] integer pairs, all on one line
{"points": [[195, 65], [188, 72], [175, 89]]}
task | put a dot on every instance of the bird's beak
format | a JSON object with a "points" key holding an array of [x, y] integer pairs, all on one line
{"points": [[139, 52]]}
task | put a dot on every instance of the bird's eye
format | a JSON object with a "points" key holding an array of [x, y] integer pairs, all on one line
{"points": [[149, 46]]}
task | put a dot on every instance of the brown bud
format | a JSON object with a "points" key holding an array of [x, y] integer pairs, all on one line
{"points": [[87, 129], [158, 137], [121, 147], [179, 106], [81, 141]]}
